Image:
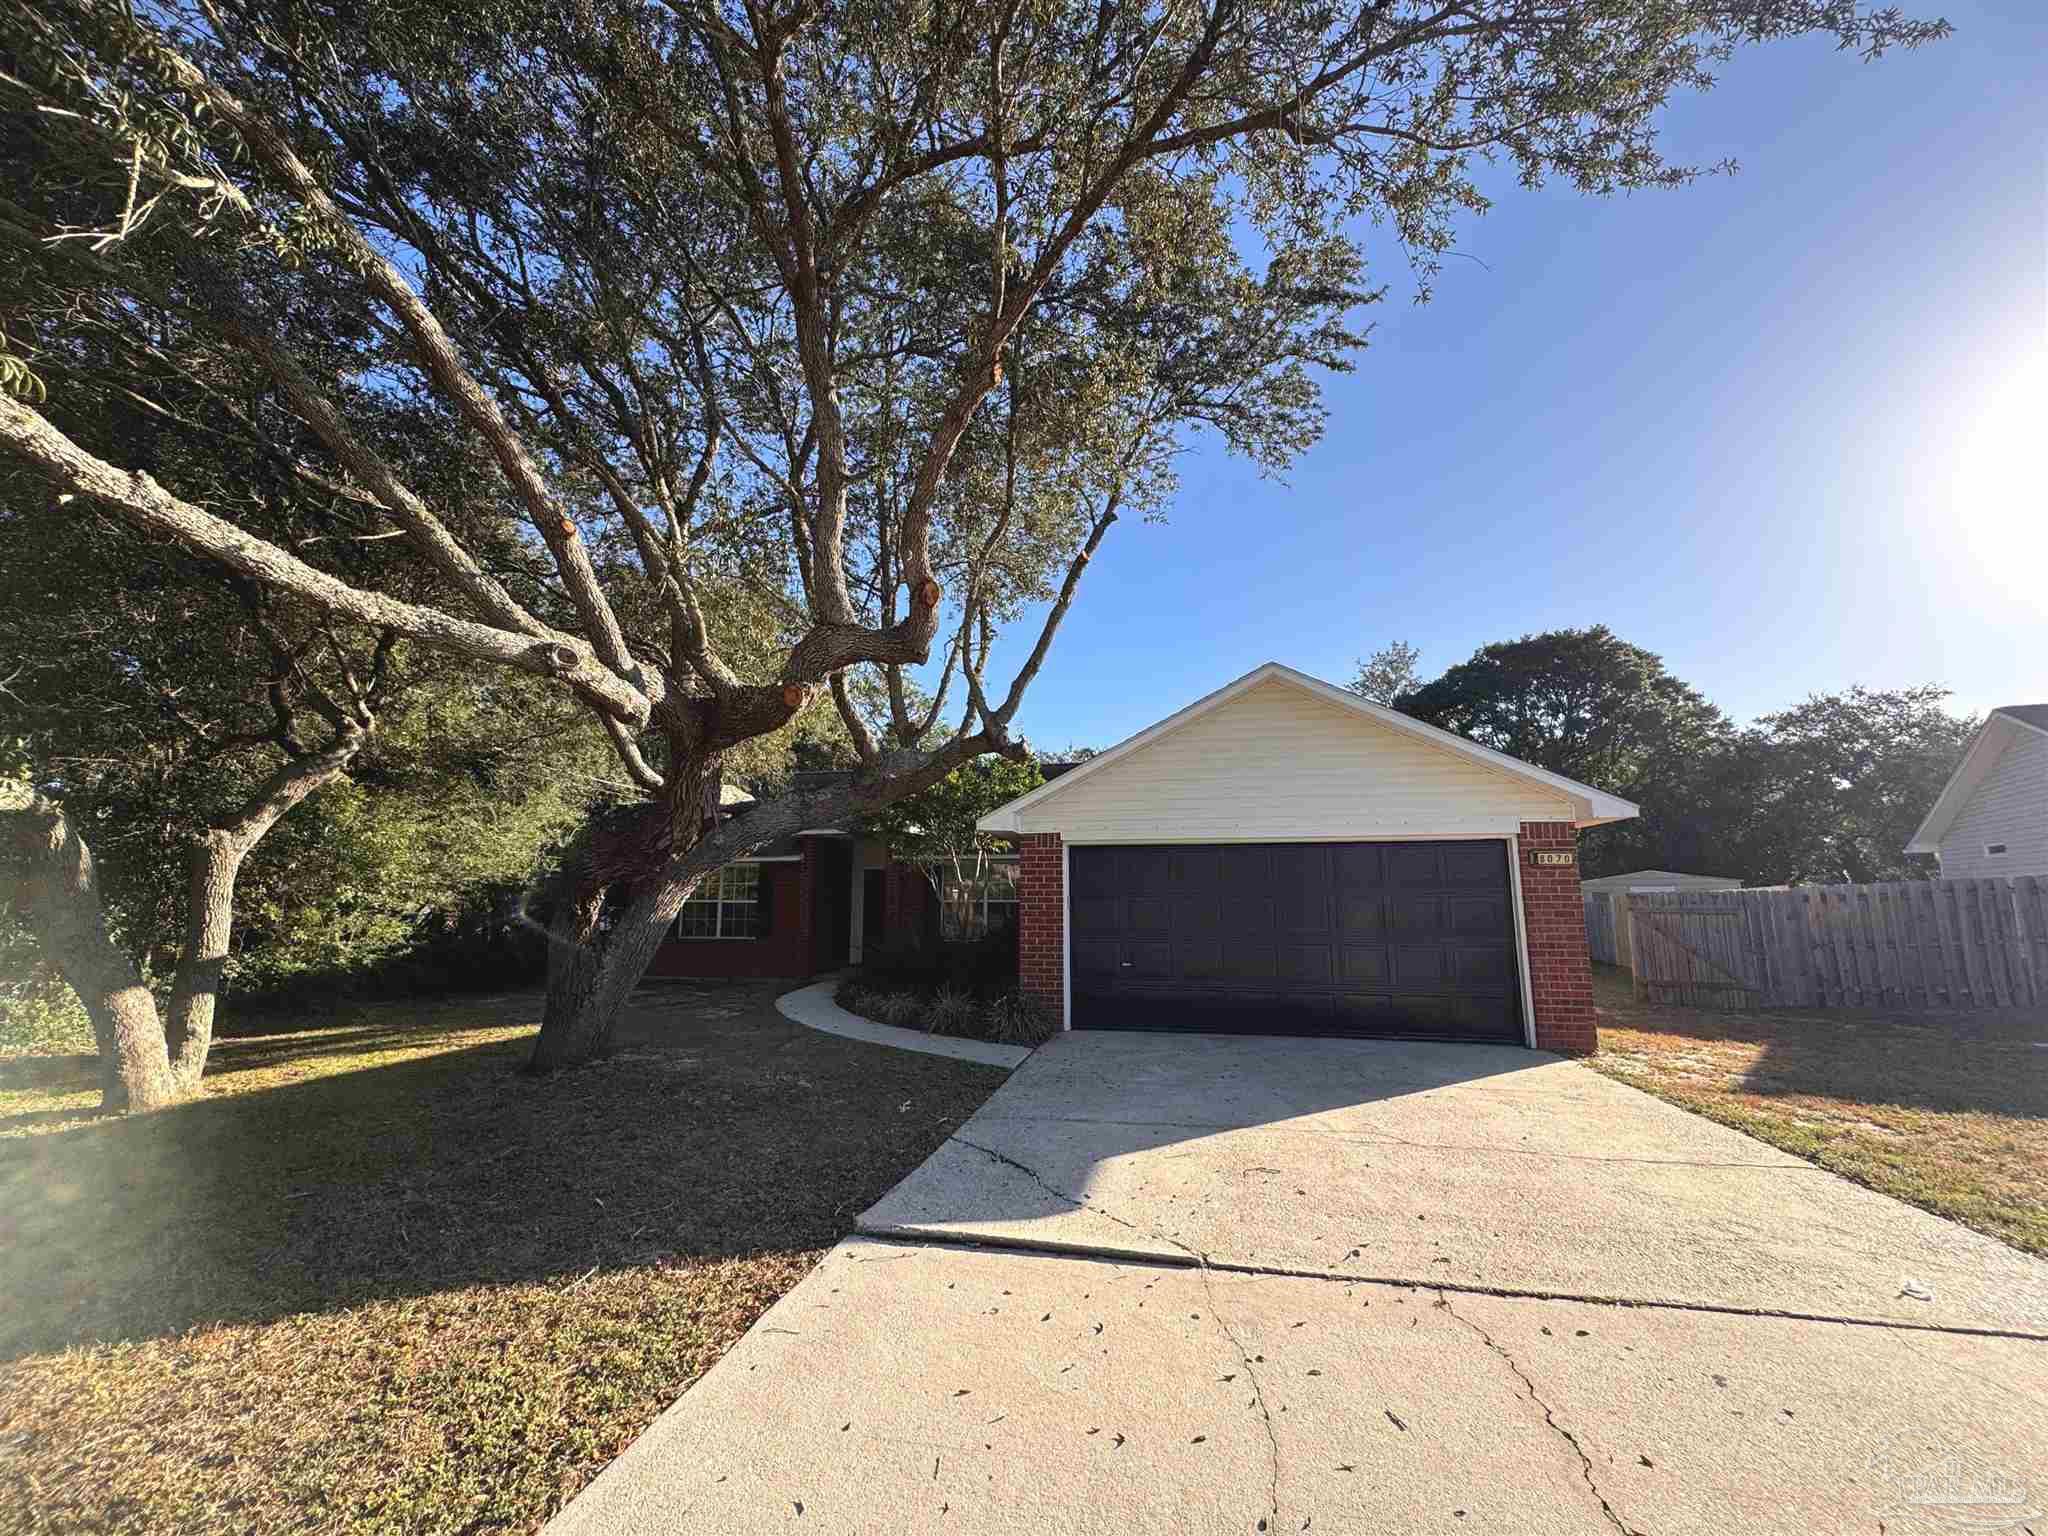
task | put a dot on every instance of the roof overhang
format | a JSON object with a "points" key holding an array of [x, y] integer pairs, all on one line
{"points": [[1590, 807], [1998, 732]]}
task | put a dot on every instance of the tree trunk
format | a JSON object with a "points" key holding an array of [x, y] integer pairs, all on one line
{"points": [[61, 893], [209, 926], [589, 984], [217, 860], [617, 898]]}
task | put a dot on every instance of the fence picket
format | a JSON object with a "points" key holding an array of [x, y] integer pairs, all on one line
{"points": [[1893, 944]]}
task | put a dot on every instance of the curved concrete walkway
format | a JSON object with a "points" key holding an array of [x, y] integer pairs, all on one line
{"points": [[813, 1008]]}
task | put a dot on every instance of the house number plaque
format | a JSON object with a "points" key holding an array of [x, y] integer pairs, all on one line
{"points": [[1551, 857]]}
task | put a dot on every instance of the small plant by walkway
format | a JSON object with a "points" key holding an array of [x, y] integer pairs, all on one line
{"points": [[1007, 1018], [1948, 1111], [378, 1281]]}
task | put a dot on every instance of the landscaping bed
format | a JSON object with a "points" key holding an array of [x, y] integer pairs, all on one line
{"points": [[1005, 1018], [378, 1280], [1948, 1111]]}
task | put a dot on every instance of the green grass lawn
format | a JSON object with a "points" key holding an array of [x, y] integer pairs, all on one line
{"points": [[378, 1280], [1946, 1110]]}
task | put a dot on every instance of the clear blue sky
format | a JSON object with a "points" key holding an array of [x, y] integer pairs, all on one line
{"points": [[1784, 428]]}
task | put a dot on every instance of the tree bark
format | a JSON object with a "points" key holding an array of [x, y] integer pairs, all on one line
{"points": [[217, 860], [621, 888], [60, 889]]}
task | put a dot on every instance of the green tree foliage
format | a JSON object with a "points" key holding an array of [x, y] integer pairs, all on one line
{"points": [[1388, 673], [936, 826], [1831, 789], [878, 315], [1587, 704]]}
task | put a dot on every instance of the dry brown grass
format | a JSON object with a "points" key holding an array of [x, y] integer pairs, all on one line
{"points": [[379, 1281], [1946, 1110]]}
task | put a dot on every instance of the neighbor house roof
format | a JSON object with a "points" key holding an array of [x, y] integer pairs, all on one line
{"points": [[1654, 877], [1590, 806], [1997, 732]]}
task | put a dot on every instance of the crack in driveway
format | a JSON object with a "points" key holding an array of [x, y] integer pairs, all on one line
{"points": [[1208, 1290], [1529, 1389]]}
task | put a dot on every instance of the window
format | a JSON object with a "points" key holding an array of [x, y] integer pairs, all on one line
{"points": [[726, 906], [978, 905], [1994, 849]]}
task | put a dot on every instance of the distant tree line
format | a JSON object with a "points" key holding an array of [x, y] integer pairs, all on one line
{"points": [[1827, 790]]}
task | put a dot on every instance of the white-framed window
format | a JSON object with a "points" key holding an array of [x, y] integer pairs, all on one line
{"points": [[726, 906], [1993, 850], [972, 906]]}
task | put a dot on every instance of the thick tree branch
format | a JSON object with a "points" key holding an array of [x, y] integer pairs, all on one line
{"points": [[140, 501]]}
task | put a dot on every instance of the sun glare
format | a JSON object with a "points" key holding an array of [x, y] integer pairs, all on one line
{"points": [[1997, 484]]}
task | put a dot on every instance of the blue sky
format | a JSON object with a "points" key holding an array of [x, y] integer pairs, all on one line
{"points": [[1783, 428]]}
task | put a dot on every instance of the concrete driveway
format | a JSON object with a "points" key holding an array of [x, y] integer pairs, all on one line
{"points": [[1184, 1284]]}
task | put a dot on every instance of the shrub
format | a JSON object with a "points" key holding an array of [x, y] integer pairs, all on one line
{"points": [[906, 1010], [954, 1012], [1015, 1019]]}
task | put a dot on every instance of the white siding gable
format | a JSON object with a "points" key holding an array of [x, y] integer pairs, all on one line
{"points": [[2010, 806], [1276, 764]]}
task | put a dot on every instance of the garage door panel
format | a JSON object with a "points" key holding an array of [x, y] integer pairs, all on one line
{"points": [[1095, 914], [1093, 875], [1248, 914], [1418, 965], [1146, 960], [1307, 963], [1149, 915], [1364, 964], [1249, 960], [1357, 866], [1361, 912], [1095, 957], [1409, 915], [1407, 938], [1199, 958], [1489, 965], [1414, 864], [1477, 914]]}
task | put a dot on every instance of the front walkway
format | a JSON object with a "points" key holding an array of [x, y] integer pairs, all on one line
{"points": [[1237, 1285]]}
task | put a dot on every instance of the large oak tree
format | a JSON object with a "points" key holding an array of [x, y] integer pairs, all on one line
{"points": [[878, 314]]}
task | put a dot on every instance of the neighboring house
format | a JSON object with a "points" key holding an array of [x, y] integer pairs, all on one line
{"points": [[825, 898], [1286, 857], [1992, 816]]}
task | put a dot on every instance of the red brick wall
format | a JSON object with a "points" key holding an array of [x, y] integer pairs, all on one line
{"points": [[909, 917], [1041, 918], [1560, 975], [781, 953], [809, 873]]}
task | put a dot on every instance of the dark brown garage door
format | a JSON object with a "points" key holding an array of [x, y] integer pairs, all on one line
{"points": [[1414, 939]]}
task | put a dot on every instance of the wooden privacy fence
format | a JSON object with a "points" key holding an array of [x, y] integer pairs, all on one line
{"points": [[1601, 941], [1904, 944]]}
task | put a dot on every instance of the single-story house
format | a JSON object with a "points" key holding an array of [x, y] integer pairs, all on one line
{"points": [[1615, 890], [827, 897], [1281, 857], [1991, 818], [1286, 857]]}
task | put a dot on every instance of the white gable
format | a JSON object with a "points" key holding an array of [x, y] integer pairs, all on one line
{"points": [[1276, 761], [2009, 807]]}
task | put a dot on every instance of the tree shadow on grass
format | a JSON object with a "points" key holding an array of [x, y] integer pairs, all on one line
{"points": [[322, 1173], [1983, 1061]]}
